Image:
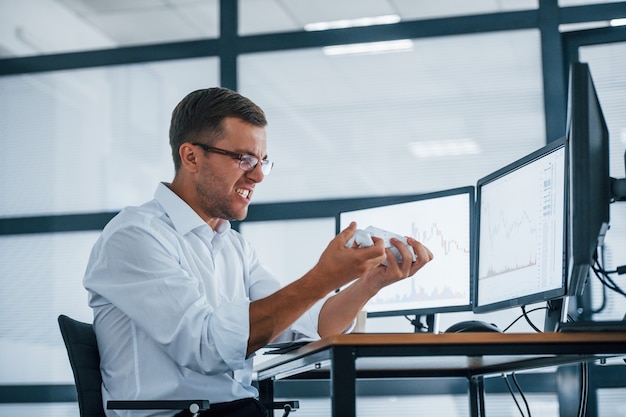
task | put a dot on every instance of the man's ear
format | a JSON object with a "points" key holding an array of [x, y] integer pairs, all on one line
{"points": [[189, 156]]}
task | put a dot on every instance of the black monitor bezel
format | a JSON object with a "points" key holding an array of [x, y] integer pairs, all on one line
{"points": [[590, 182], [538, 297], [400, 199]]}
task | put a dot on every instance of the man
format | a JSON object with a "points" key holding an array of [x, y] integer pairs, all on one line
{"points": [[181, 302]]}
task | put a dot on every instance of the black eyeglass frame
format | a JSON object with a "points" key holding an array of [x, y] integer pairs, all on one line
{"points": [[251, 160]]}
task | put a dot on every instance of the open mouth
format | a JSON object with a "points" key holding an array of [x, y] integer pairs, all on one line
{"points": [[243, 192]]}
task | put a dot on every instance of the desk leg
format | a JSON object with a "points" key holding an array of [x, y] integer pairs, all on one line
{"points": [[477, 396], [343, 382], [266, 390]]}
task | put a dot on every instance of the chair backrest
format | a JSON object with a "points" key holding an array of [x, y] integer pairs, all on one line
{"points": [[82, 349]]}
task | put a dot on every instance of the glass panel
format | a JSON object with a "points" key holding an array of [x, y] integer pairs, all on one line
{"points": [[506, 405], [611, 402], [41, 277], [265, 16], [48, 410], [441, 114], [608, 69], [401, 405], [274, 244], [93, 139], [49, 27]]}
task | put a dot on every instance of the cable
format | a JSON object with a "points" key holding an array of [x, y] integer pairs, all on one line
{"points": [[528, 320], [604, 301], [417, 324], [584, 389], [520, 392], [604, 293], [508, 385], [605, 279], [521, 316]]}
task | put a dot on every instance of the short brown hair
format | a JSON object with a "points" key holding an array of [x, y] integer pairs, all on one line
{"points": [[202, 112]]}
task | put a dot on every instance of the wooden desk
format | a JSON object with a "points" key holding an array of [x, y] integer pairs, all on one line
{"points": [[344, 358]]}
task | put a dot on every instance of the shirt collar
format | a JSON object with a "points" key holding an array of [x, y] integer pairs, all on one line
{"points": [[183, 217]]}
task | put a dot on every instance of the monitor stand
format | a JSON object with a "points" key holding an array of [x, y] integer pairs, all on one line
{"points": [[425, 323], [557, 310]]}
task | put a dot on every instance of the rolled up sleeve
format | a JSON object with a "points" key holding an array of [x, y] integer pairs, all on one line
{"points": [[230, 336]]}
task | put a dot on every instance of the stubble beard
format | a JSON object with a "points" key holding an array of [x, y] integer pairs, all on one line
{"points": [[217, 205]]}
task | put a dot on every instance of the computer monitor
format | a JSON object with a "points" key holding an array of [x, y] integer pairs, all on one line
{"points": [[443, 222], [590, 184], [521, 231]]}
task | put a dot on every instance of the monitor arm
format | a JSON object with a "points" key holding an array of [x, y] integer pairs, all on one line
{"points": [[618, 186], [618, 189]]}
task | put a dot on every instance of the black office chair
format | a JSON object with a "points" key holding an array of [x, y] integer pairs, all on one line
{"points": [[82, 350]]}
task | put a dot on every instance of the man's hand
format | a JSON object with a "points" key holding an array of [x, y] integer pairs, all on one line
{"points": [[344, 264], [339, 310], [382, 276]]}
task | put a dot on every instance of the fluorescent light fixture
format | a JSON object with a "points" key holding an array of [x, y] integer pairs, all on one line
{"points": [[618, 22], [442, 148], [350, 23], [401, 45]]}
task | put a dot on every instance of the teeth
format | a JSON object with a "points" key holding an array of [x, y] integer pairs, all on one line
{"points": [[243, 193]]}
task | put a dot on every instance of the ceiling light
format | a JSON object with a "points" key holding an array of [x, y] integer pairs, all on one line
{"points": [[441, 148], [350, 23], [618, 22], [370, 48]]}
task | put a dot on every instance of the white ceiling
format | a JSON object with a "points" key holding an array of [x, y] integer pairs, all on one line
{"points": [[52, 26]]}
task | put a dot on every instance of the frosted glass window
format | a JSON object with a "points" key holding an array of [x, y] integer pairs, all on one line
{"points": [[289, 248], [611, 402], [93, 139], [440, 115], [41, 277], [48, 410]]}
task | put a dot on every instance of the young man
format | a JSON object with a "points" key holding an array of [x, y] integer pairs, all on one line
{"points": [[181, 301]]}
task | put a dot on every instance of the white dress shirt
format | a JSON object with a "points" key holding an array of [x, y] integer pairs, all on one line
{"points": [[171, 298]]}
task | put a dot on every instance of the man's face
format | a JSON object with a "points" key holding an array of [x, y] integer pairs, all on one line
{"points": [[224, 190]]}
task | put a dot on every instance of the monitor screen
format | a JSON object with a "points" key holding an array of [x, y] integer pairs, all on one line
{"points": [[443, 222], [590, 187], [521, 229]]}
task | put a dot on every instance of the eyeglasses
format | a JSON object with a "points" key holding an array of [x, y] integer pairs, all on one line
{"points": [[246, 162]]}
